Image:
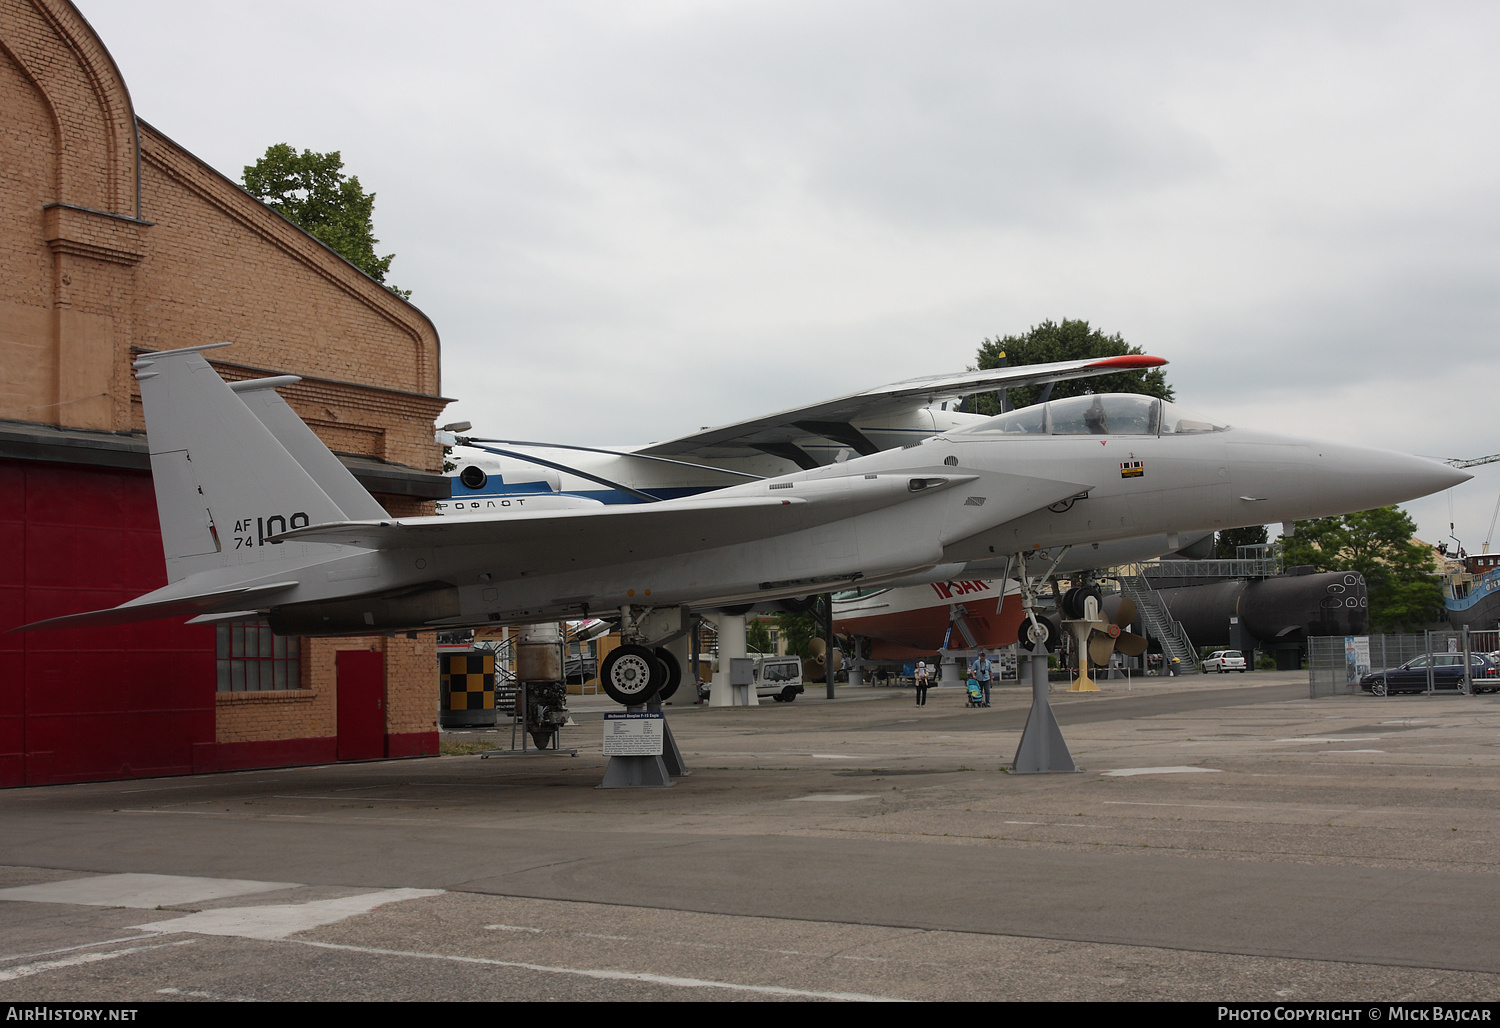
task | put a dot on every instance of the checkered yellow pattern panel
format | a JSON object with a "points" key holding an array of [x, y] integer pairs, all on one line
{"points": [[468, 681]]}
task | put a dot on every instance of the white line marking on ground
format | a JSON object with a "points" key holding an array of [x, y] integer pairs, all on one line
{"points": [[1130, 772], [656, 941], [617, 976], [511, 928], [200, 994], [1353, 751], [343, 799], [833, 797], [10, 974], [73, 949], [1455, 767], [1342, 738], [277, 921], [146, 892], [1147, 803], [1220, 806], [829, 756]]}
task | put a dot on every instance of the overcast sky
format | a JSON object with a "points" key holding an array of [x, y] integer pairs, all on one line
{"points": [[628, 220]]}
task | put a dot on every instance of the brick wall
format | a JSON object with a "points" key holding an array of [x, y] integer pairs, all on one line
{"points": [[114, 240]]}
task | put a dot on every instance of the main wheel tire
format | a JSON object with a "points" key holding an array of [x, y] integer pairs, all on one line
{"points": [[631, 675], [1069, 605], [788, 694], [1073, 601], [673, 669], [1378, 687]]}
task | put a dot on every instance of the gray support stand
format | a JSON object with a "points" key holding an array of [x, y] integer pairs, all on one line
{"points": [[637, 772], [671, 756], [1042, 749]]}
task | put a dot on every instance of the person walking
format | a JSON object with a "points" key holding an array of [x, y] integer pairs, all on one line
{"points": [[981, 671], [922, 683]]}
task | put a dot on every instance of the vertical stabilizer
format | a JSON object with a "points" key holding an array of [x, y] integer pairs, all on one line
{"points": [[224, 483], [306, 448]]}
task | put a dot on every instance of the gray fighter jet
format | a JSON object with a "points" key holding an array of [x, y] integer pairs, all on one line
{"points": [[258, 518]]}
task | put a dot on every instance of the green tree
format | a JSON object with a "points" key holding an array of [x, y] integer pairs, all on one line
{"points": [[798, 630], [1070, 340], [311, 191], [1228, 542], [1399, 572], [758, 636]]}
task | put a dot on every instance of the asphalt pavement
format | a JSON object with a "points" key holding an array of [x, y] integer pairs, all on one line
{"points": [[1226, 839]]}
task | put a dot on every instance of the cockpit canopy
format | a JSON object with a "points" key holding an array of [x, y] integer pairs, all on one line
{"points": [[1100, 414]]}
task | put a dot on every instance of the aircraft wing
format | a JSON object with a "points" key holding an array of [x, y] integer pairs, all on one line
{"points": [[783, 427], [553, 540]]}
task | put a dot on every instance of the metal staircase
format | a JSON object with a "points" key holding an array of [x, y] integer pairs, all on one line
{"points": [[1159, 623]]}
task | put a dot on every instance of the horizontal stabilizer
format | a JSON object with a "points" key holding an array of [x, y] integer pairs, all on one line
{"points": [[137, 610]]}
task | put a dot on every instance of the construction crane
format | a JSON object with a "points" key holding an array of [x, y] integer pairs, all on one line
{"points": [[1459, 462]]}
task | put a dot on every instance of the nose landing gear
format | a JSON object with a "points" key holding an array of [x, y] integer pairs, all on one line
{"points": [[1042, 749]]}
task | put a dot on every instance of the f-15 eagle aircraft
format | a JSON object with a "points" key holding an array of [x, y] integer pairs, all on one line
{"points": [[493, 475], [258, 518]]}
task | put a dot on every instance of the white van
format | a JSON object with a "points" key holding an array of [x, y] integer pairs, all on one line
{"points": [[778, 677]]}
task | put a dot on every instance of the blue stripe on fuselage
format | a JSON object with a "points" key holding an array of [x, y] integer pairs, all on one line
{"points": [[526, 491]]}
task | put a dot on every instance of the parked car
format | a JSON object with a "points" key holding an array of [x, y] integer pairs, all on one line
{"points": [[1447, 673], [1224, 661], [779, 677]]}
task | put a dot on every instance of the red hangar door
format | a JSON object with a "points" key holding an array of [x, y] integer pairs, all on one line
{"points": [[361, 703]]}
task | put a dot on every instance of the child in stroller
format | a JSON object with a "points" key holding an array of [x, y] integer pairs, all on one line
{"points": [[976, 694]]}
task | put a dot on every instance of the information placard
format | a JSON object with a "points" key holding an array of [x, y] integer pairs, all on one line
{"points": [[633, 734]]}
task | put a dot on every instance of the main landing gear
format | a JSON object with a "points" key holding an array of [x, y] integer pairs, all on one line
{"points": [[643, 669], [633, 674], [640, 674]]}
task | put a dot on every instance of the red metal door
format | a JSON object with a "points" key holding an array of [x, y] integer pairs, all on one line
{"points": [[361, 688]]}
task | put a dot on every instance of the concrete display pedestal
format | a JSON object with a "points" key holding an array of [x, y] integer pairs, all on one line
{"points": [[1042, 749], [636, 773], [647, 772]]}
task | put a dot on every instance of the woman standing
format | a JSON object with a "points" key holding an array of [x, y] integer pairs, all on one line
{"points": [[922, 683]]}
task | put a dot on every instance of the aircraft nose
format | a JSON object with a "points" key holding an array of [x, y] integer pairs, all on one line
{"points": [[1294, 479], [1351, 478]]}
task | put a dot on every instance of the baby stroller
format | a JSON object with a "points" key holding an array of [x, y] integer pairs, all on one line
{"points": [[976, 695]]}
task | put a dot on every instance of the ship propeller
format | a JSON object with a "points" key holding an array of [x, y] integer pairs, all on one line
{"points": [[1104, 641]]}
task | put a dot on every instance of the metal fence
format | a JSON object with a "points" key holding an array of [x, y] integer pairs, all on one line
{"points": [[1335, 663]]}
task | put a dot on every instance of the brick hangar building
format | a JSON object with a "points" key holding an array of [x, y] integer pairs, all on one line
{"points": [[113, 241]]}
